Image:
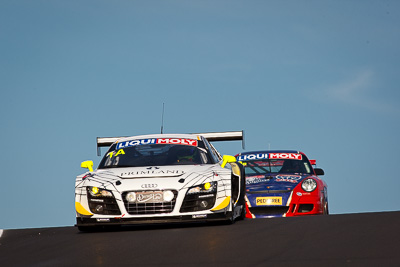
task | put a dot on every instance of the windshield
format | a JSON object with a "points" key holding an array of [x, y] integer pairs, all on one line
{"points": [[154, 155], [277, 166]]}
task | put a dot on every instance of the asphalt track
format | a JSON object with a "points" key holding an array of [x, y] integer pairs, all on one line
{"points": [[364, 239]]}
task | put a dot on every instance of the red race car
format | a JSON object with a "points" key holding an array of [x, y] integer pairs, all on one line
{"points": [[283, 183]]}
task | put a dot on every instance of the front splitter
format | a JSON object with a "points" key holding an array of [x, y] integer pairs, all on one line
{"points": [[81, 221]]}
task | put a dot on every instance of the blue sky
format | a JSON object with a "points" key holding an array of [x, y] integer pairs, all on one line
{"points": [[317, 76]]}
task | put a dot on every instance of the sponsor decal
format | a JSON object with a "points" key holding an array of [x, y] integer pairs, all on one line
{"points": [[255, 176], [206, 196], [256, 180], [270, 156], [299, 194], [252, 157], [285, 156], [102, 220], [149, 186], [153, 197], [288, 178], [175, 141], [267, 201], [97, 200], [155, 172], [136, 143], [199, 216]]}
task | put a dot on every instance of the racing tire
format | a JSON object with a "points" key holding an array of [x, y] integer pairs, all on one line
{"points": [[231, 219], [326, 209], [243, 213]]}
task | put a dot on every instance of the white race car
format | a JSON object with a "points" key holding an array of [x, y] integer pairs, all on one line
{"points": [[160, 178]]}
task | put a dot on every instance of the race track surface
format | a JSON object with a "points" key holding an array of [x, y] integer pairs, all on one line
{"points": [[364, 239]]}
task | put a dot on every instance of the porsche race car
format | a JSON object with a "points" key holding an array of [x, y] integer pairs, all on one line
{"points": [[161, 178], [283, 183]]}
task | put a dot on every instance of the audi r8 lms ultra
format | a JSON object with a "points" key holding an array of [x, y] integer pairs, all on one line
{"points": [[283, 183], [161, 178]]}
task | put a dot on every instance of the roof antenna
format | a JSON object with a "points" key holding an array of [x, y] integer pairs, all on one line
{"points": [[162, 119]]}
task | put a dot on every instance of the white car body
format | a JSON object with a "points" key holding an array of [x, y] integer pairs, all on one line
{"points": [[160, 193]]}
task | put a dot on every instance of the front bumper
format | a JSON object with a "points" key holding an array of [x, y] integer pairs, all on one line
{"points": [[305, 205], [82, 221], [115, 209], [295, 206]]}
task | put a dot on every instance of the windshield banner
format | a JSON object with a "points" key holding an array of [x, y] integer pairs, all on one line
{"points": [[172, 141], [270, 156]]}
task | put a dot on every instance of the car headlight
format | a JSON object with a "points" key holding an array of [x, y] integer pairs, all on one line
{"points": [[200, 197], [203, 188], [309, 185], [131, 197], [168, 195], [98, 192]]}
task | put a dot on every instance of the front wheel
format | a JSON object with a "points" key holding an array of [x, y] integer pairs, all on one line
{"points": [[243, 212], [231, 218], [326, 209]]}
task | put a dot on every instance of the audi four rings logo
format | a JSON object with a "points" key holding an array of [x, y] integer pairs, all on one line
{"points": [[149, 185]]}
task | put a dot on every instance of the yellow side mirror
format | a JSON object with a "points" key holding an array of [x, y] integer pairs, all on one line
{"points": [[227, 159], [87, 165]]}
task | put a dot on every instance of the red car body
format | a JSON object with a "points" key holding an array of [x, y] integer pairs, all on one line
{"points": [[275, 190]]}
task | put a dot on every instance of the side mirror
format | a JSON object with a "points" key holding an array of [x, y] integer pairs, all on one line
{"points": [[227, 159], [87, 165], [319, 171]]}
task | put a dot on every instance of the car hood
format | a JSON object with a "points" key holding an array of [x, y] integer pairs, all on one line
{"points": [[273, 182], [154, 172]]}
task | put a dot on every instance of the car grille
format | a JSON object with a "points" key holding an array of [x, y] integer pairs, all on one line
{"points": [[109, 206], [103, 205], [269, 211], [305, 207], [198, 202], [150, 206]]}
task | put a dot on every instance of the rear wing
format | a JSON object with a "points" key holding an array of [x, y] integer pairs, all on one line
{"points": [[222, 136], [105, 142], [211, 137]]}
